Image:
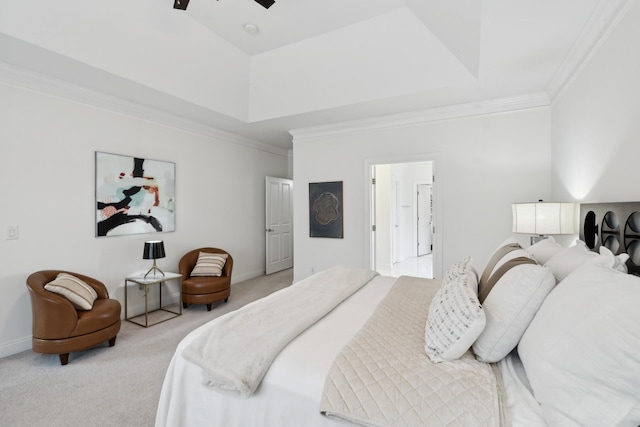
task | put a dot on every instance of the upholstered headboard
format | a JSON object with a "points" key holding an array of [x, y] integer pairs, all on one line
{"points": [[615, 226]]}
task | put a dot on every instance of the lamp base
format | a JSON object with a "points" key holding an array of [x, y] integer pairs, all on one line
{"points": [[153, 268], [536, 239]]}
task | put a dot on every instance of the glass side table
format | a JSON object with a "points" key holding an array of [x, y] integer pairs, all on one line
{"points": [[146, 283]]}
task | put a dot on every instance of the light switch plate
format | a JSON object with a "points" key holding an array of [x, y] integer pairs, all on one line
{"points": [[12, 232]]}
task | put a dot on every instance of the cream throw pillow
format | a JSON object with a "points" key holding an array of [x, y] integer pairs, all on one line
{"points": [[455, 319], [78, 292], [209, 264]]}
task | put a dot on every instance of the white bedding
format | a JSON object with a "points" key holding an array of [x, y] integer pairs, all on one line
{"points": [[290, 393], [524, 409]]}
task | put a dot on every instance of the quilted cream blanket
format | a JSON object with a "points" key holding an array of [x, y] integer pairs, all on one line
{"points": [[236, 350], [384, 378]]}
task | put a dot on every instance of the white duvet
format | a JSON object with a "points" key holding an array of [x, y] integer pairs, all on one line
{"points": [[290, 392]]}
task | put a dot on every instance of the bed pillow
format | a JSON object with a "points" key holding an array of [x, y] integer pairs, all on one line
{"points": [[455, 319], [509, 307], [544, 249], [580, 351], [568, 259], [508, 250], [618, 262], [77, 291], [459, 268], [209, 264]]}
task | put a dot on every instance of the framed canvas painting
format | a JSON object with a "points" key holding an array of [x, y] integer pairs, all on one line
{"points": [[134, 195], [325, 209]]}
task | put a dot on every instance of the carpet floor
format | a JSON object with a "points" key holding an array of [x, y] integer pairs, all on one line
{"points": [[117, 386]]}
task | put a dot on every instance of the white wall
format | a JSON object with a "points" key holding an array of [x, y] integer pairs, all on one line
{"points": [[48, 146], [482, 165], [595, 122]]}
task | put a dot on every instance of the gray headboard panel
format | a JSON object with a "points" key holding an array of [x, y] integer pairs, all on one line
{"points": [[615, 226]]}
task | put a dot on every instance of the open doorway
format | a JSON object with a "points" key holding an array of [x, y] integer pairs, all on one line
{"points": [[402, 215]]}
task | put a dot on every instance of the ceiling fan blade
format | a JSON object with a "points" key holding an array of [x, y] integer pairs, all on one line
{"points": [[265, 3], [180, 4]]}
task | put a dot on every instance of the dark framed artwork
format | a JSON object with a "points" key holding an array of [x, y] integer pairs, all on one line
{"points": [[325, 209], [134, 195]]}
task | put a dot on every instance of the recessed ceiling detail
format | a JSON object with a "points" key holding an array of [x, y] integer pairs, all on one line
{"points": [[314, 63]]}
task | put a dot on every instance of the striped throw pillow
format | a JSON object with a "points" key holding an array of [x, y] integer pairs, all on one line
{"points": [[209, 264], [78, 292]]}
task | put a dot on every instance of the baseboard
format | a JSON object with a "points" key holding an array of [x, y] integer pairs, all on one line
{"points": [[24, 344], [16, 346], [247, 276]]}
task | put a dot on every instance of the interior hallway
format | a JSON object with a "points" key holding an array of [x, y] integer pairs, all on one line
{"points": [[413, 266]]}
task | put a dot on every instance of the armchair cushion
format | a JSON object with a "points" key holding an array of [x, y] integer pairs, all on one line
{"points": [[209, 264], [79, 293]]}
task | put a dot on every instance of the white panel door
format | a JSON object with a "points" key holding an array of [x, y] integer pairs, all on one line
{"points": [[279, 224]]}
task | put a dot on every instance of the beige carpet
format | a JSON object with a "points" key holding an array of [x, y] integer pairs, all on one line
{"points": [[118, 386]]}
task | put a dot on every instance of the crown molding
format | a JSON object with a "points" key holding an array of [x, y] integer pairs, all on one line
{"points": [[27, 79], [605, 17], [414, 118]]}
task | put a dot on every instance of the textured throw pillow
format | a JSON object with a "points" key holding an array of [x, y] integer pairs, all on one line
{"points": [[580, 352], [509, 307], [544, 249], [459, 268], [209, 264], [455, 319], [78, 292]]}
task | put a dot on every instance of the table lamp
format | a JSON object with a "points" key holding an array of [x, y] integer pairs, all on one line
{"points": [[153, 249]]}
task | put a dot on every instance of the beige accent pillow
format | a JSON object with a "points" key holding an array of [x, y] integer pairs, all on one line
{"points": [[498, 257], [209, 264], [498, 273], [78, 292]]}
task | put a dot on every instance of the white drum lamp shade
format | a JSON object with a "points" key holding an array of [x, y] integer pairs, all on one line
{"points": [[543, 218]]}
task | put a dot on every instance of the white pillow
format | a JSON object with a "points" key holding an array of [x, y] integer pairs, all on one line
{"points": [[509, 308], [544, 249], [508, 250], [568, 259], [455, 319], [581, 351], [617, 262], [78, 292]]}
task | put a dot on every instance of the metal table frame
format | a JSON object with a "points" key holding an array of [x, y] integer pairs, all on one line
{"points": [[147, 282]]}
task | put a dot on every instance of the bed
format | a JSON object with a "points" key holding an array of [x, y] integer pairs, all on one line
{"points": [[523, 351]]}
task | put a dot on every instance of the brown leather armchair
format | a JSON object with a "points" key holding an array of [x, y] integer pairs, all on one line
{"points": [[59, 328], [204, 289]]}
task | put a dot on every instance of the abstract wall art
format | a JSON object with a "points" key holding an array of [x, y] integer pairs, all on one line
{"points": [[134, 195], [325, 209]]}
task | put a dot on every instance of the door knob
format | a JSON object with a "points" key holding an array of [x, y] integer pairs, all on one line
{"points": [[269, 230]]}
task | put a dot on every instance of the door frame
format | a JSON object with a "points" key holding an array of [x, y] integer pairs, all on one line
{"points": [[416, 198], [369, 244]]}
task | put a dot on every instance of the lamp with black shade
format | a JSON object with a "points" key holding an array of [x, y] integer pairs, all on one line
{"points": [[543, 218], [153, 249]]}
